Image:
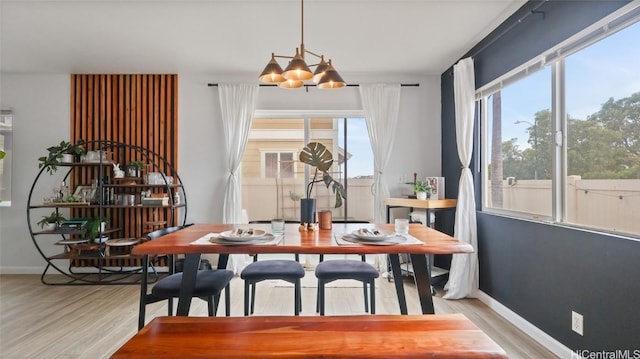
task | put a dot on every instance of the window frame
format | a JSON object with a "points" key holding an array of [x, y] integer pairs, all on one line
{"points": [[554, 58], [279, 152]]}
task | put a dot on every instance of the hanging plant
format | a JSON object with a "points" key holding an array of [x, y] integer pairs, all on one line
{"points": [[53, 159]]}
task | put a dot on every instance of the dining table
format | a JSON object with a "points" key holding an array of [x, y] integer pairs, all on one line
{"points": [[194, 240]]}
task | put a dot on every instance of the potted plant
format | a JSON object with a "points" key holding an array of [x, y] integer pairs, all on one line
{"points": [[317, 155], [134, 168], [421, 188], [50, 222], [61, 153], [93, 228]]}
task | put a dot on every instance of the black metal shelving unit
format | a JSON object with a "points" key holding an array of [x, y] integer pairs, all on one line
{"points": [[63, 248]]}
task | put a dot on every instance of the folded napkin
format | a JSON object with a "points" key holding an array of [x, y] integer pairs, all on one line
{"points": [[348, 239], [214, 239]]}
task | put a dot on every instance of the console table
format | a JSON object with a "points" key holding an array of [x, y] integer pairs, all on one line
{"points": [[431, 206]]}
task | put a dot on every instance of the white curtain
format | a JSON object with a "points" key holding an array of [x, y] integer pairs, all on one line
{"points": [[463, 276], [237, 104], [381, 104]]}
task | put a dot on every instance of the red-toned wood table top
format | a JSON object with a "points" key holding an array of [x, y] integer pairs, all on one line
{"points": [[309, 242], [371, 336]]}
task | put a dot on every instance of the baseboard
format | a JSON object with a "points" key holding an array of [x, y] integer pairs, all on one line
{"points": [[38, 270], [531, 330], [21, 270]]}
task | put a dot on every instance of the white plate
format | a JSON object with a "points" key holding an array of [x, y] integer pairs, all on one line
{"points": [[233, 235], [373, 235], [387, 242]]}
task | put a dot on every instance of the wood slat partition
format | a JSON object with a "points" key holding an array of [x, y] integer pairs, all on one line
{"points": [[140, 110]]}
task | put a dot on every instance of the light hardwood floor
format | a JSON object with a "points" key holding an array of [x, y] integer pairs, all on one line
{"points": [[39, 321]]}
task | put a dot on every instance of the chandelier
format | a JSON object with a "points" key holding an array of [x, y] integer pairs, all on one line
{"points": [[325, 75]]}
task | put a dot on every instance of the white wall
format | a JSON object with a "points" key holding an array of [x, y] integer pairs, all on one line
{"points": [[41, 106]]}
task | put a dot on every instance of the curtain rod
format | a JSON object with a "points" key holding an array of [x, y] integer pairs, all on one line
{"points": [[532, 11], [309, 85]]}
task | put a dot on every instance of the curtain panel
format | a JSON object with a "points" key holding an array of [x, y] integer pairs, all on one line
{"points": [[237, 104], [381, 104], [463, 276]]}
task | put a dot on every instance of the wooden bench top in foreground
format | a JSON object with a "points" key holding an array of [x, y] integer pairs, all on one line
{"points": [[370, 336]]}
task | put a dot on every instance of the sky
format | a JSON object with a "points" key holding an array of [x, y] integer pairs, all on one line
{"points": [[361, 162]]}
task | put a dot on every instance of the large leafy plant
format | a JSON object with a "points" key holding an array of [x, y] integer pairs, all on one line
{"points": [[317, 155]]}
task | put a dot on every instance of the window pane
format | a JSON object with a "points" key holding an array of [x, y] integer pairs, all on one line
{"points": [[520, 152], [359, 169], [603, 133], [275, 193], [6, 144], [325, 131], [271, 165], [286, 165]]}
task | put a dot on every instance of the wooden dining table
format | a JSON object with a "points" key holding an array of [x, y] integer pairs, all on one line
{"points": [[429, 241]]}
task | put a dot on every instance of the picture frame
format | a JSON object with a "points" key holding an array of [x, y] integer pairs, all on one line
{"points": [[437, 187], [85, 193]]}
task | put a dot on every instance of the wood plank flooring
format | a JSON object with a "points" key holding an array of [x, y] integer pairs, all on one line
{"points": [[39, 321]]}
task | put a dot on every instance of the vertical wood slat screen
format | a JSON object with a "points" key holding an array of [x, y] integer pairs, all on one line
{"points": [[135, 109]]}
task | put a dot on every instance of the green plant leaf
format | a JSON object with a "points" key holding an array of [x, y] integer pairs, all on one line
{"points": [[316, 154]]}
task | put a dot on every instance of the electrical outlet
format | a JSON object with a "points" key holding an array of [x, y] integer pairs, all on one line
{"points": [[576, 322]]}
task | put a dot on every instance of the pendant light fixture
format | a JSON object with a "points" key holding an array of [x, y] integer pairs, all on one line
{"points": [[297, 71]]}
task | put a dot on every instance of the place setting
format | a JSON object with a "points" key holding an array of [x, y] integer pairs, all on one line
{"points": [[376, 237], [240, 236]]}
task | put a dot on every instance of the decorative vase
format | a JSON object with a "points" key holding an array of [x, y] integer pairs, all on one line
{"points": [[67, 158], [421, 195], [325, 219], [308, 210], [133, 172]]}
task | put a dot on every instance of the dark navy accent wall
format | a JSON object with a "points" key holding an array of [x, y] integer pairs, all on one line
{"points": [[538, 270], [543, 272]]}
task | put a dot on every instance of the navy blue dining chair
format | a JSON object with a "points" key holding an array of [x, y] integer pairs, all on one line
{"points": [[208, 287], [259, 270]]}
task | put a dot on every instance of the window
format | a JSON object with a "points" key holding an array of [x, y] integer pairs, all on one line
{"points": [[519, 125], [277, 164], [6, 144], [561, 138], [273, 180]]}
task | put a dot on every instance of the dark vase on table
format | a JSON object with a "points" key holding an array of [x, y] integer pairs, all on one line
{"points": [[308, 210]]}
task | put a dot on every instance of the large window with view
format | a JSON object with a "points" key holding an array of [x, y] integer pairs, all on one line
{"points": [[562, 137], [274, 180]]}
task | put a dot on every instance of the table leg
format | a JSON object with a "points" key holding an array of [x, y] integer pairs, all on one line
{"points": [[423, 282], [394, 259], [189, 273], [223, 260], [143, 291]]}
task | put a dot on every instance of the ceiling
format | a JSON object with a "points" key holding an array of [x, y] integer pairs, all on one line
{"points": [[394, 37]]}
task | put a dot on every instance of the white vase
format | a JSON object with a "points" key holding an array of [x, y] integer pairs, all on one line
{"points": [[67, 158], [421, 195]]}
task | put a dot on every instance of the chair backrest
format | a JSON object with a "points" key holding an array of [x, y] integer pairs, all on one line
{"points": [[161, 232]]}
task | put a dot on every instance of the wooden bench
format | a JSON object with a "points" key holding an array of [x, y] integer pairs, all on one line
{"points": [[363, 336]]}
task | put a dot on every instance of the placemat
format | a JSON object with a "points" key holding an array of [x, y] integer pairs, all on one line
{"points": [[214, 239], [348, 239]]}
